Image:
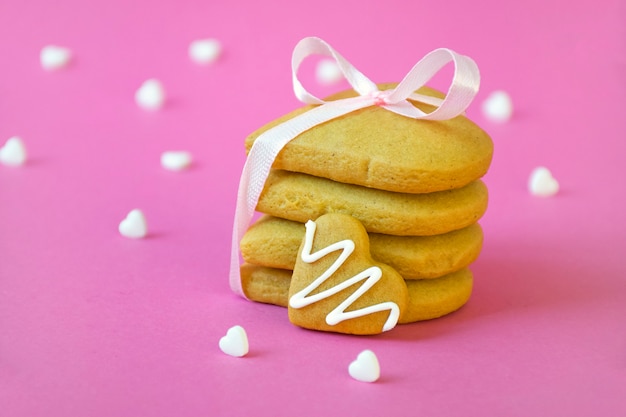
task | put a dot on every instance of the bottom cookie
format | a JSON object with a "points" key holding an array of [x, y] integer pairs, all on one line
{"points": [[428, 298]]}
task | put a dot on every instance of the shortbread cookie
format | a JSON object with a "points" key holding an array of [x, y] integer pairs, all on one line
{"points": [[302, 197], [377, 148], [336, 286], [432, 298], [428, 298], [274, 242], [266, 285]]}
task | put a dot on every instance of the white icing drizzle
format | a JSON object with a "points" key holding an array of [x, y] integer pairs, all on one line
{"points": [[370, 275]]}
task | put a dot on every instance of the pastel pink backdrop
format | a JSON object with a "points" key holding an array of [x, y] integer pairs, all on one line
{"points": [[93, 324]]}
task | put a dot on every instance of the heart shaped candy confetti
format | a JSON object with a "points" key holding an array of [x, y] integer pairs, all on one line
{"points": [[541, 183], [337, 287], [365, 367], [151, 95], [235, 343], [13, 153], [327, 72], [54, 57], [175, 160], [498, 107], [134, 226], [205, 51]]}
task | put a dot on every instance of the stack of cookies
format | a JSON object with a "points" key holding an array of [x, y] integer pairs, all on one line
{"points": [[414, 185]]}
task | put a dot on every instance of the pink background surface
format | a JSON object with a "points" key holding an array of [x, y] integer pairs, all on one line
{"points": [[93, 324]]}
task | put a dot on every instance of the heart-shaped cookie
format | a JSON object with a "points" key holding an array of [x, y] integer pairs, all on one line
{"points": [[337, 287]]}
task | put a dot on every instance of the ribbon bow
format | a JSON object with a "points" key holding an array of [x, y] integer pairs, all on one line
{"points": [[460, 94]]}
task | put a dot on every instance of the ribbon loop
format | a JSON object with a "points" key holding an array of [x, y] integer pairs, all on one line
{"points": [[311, 46], [461, 92]]}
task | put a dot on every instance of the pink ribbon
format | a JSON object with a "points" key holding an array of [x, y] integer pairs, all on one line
{"points": [[460, 94]]}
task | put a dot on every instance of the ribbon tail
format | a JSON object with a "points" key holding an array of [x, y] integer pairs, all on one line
{"points": [[259, 163]]}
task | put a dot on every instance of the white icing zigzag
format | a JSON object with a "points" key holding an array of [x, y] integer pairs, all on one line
{"points": [[370, 275]]}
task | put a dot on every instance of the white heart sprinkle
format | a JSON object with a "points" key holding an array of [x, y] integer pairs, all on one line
{"points": [[151, 95], [54, 57], [327, 72], [498, 107], [541, 183], [13, 153], [235, 343], [175, 160], [205, 51], [365, 367], [134, 225]]}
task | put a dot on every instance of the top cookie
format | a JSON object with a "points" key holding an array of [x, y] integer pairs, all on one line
{"points": [[377, 148]]}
